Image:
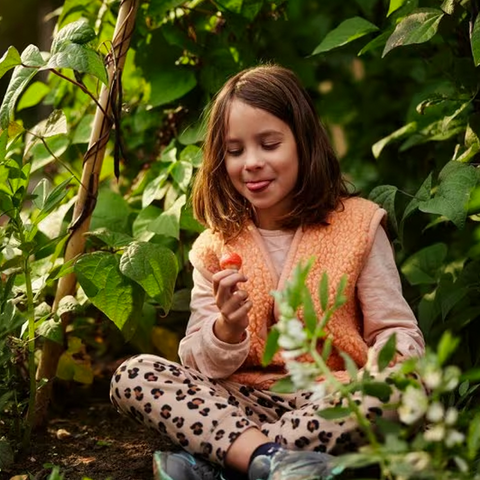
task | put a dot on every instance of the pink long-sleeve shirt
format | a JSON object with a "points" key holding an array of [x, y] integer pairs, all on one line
{"points": [[385, 310]]}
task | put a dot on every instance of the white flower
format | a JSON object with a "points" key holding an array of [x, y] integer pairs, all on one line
{"points": [[461, 464], [292, 334], [414, 405], [319, 391], [451, 378], [432, 377], [451, 416], [418, 460], [435, 433], [288, 355], [435, 412], [454, 437], [302, 374]]}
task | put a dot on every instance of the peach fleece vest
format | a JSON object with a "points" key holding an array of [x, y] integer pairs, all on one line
{"points": [[341, 247]]}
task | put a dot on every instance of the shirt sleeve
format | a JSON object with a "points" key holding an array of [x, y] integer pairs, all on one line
{"points": [[385, 310], [200, 348]]}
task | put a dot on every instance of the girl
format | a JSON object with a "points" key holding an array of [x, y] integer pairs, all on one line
{"points": [[269, 189]]}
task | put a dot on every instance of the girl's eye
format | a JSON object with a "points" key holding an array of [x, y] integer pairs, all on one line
{"points": [[234, 153], [270, 146]]}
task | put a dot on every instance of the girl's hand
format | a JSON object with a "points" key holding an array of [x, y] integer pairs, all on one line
{"points": [[233, 304]]}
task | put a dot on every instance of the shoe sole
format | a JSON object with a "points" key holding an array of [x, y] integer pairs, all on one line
{"points": [[158, 473]]}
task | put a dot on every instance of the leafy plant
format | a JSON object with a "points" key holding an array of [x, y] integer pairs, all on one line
{"points": [[428, 440]]}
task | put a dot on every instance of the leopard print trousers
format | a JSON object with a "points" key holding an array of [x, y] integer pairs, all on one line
{"points": [[205, 416]]}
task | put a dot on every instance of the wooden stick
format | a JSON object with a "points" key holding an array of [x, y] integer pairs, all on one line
{"points": [[87, 194]]}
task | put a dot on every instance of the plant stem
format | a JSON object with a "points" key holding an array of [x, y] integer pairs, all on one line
{"points": [[31, 342]]}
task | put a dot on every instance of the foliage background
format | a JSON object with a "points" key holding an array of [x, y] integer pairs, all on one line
{"points": [[180, 54]]}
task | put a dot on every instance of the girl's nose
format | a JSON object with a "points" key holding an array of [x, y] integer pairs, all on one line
{"points": [[253, 160]]}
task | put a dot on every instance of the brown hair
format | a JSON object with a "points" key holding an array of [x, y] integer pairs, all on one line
{"points": [[320, 186]]}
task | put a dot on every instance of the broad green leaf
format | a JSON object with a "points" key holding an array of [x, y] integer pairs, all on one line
{"points": [[191, 154], [169, 84], [51, 329], [346, 32], [271, 346], [475, 42], [153, 267], [79, 58], [284, 385], [395, 5], [384, 195], [234, 6], [143, 221], [401, 132], [118, 297], [160, 9], [340, 298], [193, 133], [189, 223], [112, 212], [33, 95], [418, 27], [55, 124], [378, 42], [56, 196], [448, 6], [84, 129], [111, 239], [68, 304], [3, 145], [379, 390], [423, 266], [155, 190], [33, 60], [323, 291], [42, 156], [334, 413], [387, 352], [422, 195], [79, 32], [182, 173], [309, 314], [457, 181], [251, 8], [473, 437], [11, 58], [168, 223]]}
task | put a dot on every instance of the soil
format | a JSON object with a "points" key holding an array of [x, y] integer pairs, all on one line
{"points": [[88, 438]]}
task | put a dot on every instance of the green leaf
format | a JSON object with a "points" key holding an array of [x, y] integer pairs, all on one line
{"points": [[79, 32], [334, 413], [55, 124], [379, 390], [271, 346], [6, 455], [118, 297], [473, 437], [68, 304], [33, 95], [401, 132], [56, 196], [384, 195], [350, 365], [422, 195], [112, 212], [141, 224], [153, 267], [475, 42], [309, 314], [168, 223], [192, 154], [448, 6], [346, 32], [182, 173], [42, 156], [446, 346], [340, 298], [51, 329], [160, 9], [423, 266], [457, 181], [31, 57], [11, 58], [111, 239], [387, 352], [284, 385], [323, 291], [40, 193], [156, 189], [79, 58], [169, 84], [395, 5], [84, 129], [418, 27]]}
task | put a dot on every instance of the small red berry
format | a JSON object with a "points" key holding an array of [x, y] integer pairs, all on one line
{"points": [[230, 260]]}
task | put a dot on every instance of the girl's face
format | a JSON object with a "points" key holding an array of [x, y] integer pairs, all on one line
{"points": [[262, 161]]}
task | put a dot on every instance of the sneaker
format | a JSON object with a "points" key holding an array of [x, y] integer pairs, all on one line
{"points": [[183, 466], [291, 465]]}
